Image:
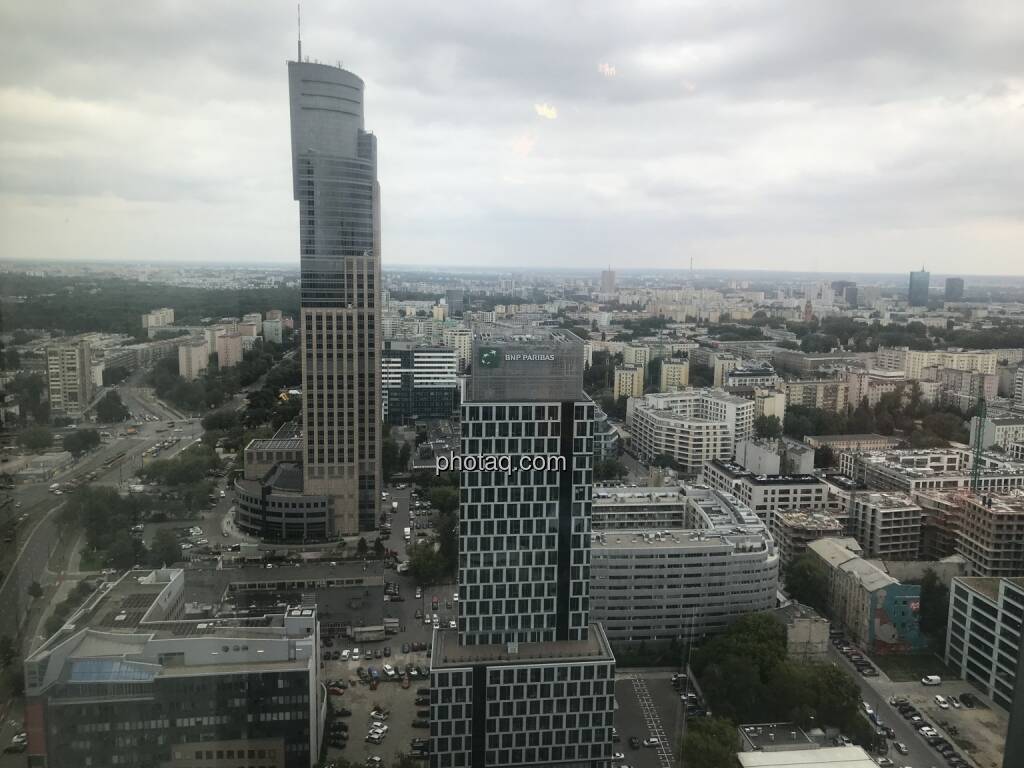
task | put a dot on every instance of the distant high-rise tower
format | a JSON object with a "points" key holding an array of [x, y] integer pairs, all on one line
{"points": [[526, 680], [334, 173], [918, 293], [455, 298], [954, 288], [608, 281]]}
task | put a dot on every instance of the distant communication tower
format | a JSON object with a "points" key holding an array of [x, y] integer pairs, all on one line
{"points": [[978, 447]]}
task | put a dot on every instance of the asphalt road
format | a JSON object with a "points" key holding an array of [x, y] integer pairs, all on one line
{"points": [[876, 692]]}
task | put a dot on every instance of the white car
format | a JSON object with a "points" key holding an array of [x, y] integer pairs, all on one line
{"points": [[455, 597], [427, 620], [941, 701], [652, 742], [452, 624], [345, 654], [377, 725], [931, 680], [436, 623], [389, 670]]}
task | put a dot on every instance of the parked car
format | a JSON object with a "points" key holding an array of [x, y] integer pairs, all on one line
{"points": [[652, 742], [634, 742], [931, 680]]}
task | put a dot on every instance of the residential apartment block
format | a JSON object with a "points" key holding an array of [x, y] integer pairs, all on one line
{"points": [[69, 378], [692, 426], [766, 494], [998, 430], [990, 533], [934, 469], [629, 382], [794, 530], [880, 614], [827, 394], [193, 358], [644, 508], [675, 375]]}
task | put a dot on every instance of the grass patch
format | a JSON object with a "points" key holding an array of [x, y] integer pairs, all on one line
{"points": [[905, 668], [92, 561]]}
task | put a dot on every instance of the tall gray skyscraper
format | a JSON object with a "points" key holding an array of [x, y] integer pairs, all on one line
{"points": [[918, 292], [954, 288], [526, 680], [334, 173], [607, 280]]}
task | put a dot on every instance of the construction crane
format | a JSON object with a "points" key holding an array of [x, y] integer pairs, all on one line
{"points": [[978, 446]]}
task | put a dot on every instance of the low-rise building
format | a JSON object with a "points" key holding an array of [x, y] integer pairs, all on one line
{"points": [[880, 614], [841, 443], [134, 679], [752, 376], [807, 638], [794, 530], [662, 585], [983, 636], [772, 456]]}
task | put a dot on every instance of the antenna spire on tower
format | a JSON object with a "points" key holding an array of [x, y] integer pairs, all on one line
{"points": [[298, 9]]}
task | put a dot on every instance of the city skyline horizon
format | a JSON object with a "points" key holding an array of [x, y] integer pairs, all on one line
{"points": [[606, 137]]}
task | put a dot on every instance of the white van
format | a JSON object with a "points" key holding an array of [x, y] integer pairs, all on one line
{"points": [[931, 680]]}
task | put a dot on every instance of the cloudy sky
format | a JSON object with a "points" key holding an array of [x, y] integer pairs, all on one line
{"points": [[813, 135]]}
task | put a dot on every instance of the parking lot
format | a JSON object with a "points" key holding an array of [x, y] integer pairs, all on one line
{"points": [[976, 735], [361, 700], [648, 707]]}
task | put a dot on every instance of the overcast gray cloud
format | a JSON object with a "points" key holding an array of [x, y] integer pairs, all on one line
{"points": [[810, 135]]}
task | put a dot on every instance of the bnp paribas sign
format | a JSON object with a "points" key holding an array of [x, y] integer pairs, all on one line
{"points": [[489, 357]]}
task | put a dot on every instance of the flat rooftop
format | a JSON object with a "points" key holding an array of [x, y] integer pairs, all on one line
{"points": [[989, 586], [829, 757], [815, 520], [738, 471], [447, 653], [648, 540], [859, 438], [769, 735]]}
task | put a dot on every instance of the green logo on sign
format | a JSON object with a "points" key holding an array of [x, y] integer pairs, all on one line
{"points": [[489, 357]]}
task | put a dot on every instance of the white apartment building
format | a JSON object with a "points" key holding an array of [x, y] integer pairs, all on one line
{"points": [[69, 378], [1018, 386], [872, 384], [935, 469], [158, 318], [998, 430], [629, 382], [461, 340], [767, 494], [762, 377], [644, 508], [273, 331], [983, 633], [636, 355], [256, 319], [229, 350], [913, 361], [659, 585], [692, 426], [675, 374], [193, 358]]}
